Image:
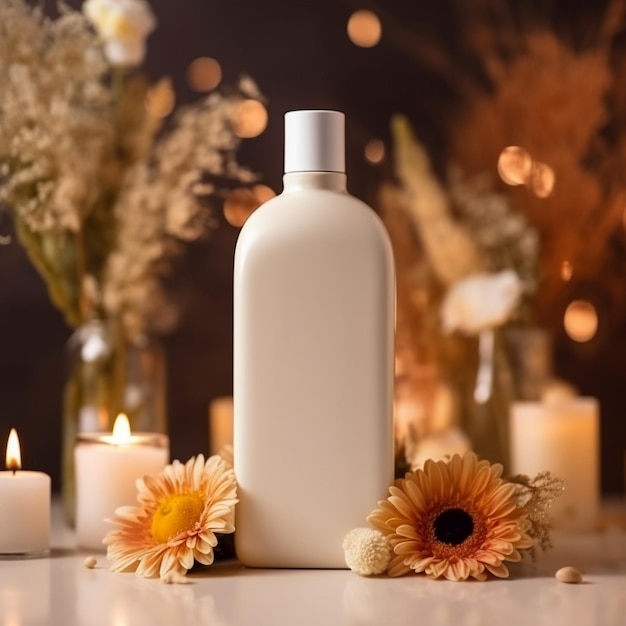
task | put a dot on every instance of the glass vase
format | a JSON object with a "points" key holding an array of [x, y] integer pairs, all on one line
{"points": [[479, 370], [109, 374], [529, 350]]}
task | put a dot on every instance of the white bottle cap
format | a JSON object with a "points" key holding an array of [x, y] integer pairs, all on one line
{"points": [[315, 141]]}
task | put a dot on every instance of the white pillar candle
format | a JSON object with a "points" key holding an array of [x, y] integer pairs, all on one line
{"points": [[107, 469], [563, 438], [220, 424], [25, 507]]}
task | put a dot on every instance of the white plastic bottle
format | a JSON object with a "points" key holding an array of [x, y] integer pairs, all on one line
{"points": [[313, 358]]}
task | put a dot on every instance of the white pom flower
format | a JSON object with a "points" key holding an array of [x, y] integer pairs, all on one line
{"points": [[481, 302], [123, 26], [367, 551]]}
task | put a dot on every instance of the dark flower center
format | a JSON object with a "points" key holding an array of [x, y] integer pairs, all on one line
{"points": [[453, 526]]}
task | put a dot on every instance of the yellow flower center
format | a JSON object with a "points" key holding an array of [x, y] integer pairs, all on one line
{"points": [[175, 515]]}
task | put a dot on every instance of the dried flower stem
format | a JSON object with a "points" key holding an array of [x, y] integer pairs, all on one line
{"points": [[103, 230], [536, 495], [429, 209]]}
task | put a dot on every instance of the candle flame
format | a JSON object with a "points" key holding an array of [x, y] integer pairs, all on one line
{"points": [[121, 429], [14, 457]]}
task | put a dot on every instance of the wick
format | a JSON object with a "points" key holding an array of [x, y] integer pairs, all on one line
{"points": [[14, 470]]}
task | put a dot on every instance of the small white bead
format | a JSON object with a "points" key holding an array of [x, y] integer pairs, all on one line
{"points": [[569, 574], [90, 562]]}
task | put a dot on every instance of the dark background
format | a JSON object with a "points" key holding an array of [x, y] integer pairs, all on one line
{"points": [[300, 56]]}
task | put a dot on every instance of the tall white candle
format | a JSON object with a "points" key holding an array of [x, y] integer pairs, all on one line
{"points": [[25, 507], [561, 437], [107, 468], [220, 424]]}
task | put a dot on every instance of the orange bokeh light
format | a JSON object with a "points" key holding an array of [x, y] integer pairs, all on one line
{"points": [[566, 270], [581, 321], [514, 165], [204, 74], [542, 179], [242, 202], [375, 151], [364, 29], [250, 119], [160, 99]]}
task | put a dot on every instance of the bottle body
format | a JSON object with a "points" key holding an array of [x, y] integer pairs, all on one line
{"points": [[313, 373]]}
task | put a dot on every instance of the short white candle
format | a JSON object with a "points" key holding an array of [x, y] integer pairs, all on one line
{"points": [[107, 469], [561, 437], [220, 424], [25, 502]]}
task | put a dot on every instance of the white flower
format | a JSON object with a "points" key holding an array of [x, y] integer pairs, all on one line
{"points": [[481, 302], [367, 551], [123, 25]]}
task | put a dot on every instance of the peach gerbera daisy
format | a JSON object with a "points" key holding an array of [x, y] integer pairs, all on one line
{"points": [[180, 511], [456, 519]]}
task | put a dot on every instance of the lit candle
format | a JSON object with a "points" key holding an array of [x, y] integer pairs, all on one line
{"points": [[561, 437], [107, 468], [25, 500]]}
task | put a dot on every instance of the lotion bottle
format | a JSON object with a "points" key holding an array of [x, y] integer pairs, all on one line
{"points": [[314, 310]]}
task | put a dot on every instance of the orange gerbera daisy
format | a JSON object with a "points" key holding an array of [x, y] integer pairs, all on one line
{"points": [[456, 519], [180, 511]]}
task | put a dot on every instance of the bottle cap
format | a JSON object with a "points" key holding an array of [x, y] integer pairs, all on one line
{"points": [[315, 141]]}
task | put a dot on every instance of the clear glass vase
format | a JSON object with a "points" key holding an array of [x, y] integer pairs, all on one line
{"points": [[529, 350], [498, 367], [479, 370], [109, 374]]}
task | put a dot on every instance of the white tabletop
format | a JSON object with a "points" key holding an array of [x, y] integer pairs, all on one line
{"points": [[60, 590]]}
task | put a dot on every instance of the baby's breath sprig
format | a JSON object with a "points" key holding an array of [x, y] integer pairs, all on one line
{"points": [[536, 495]]}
